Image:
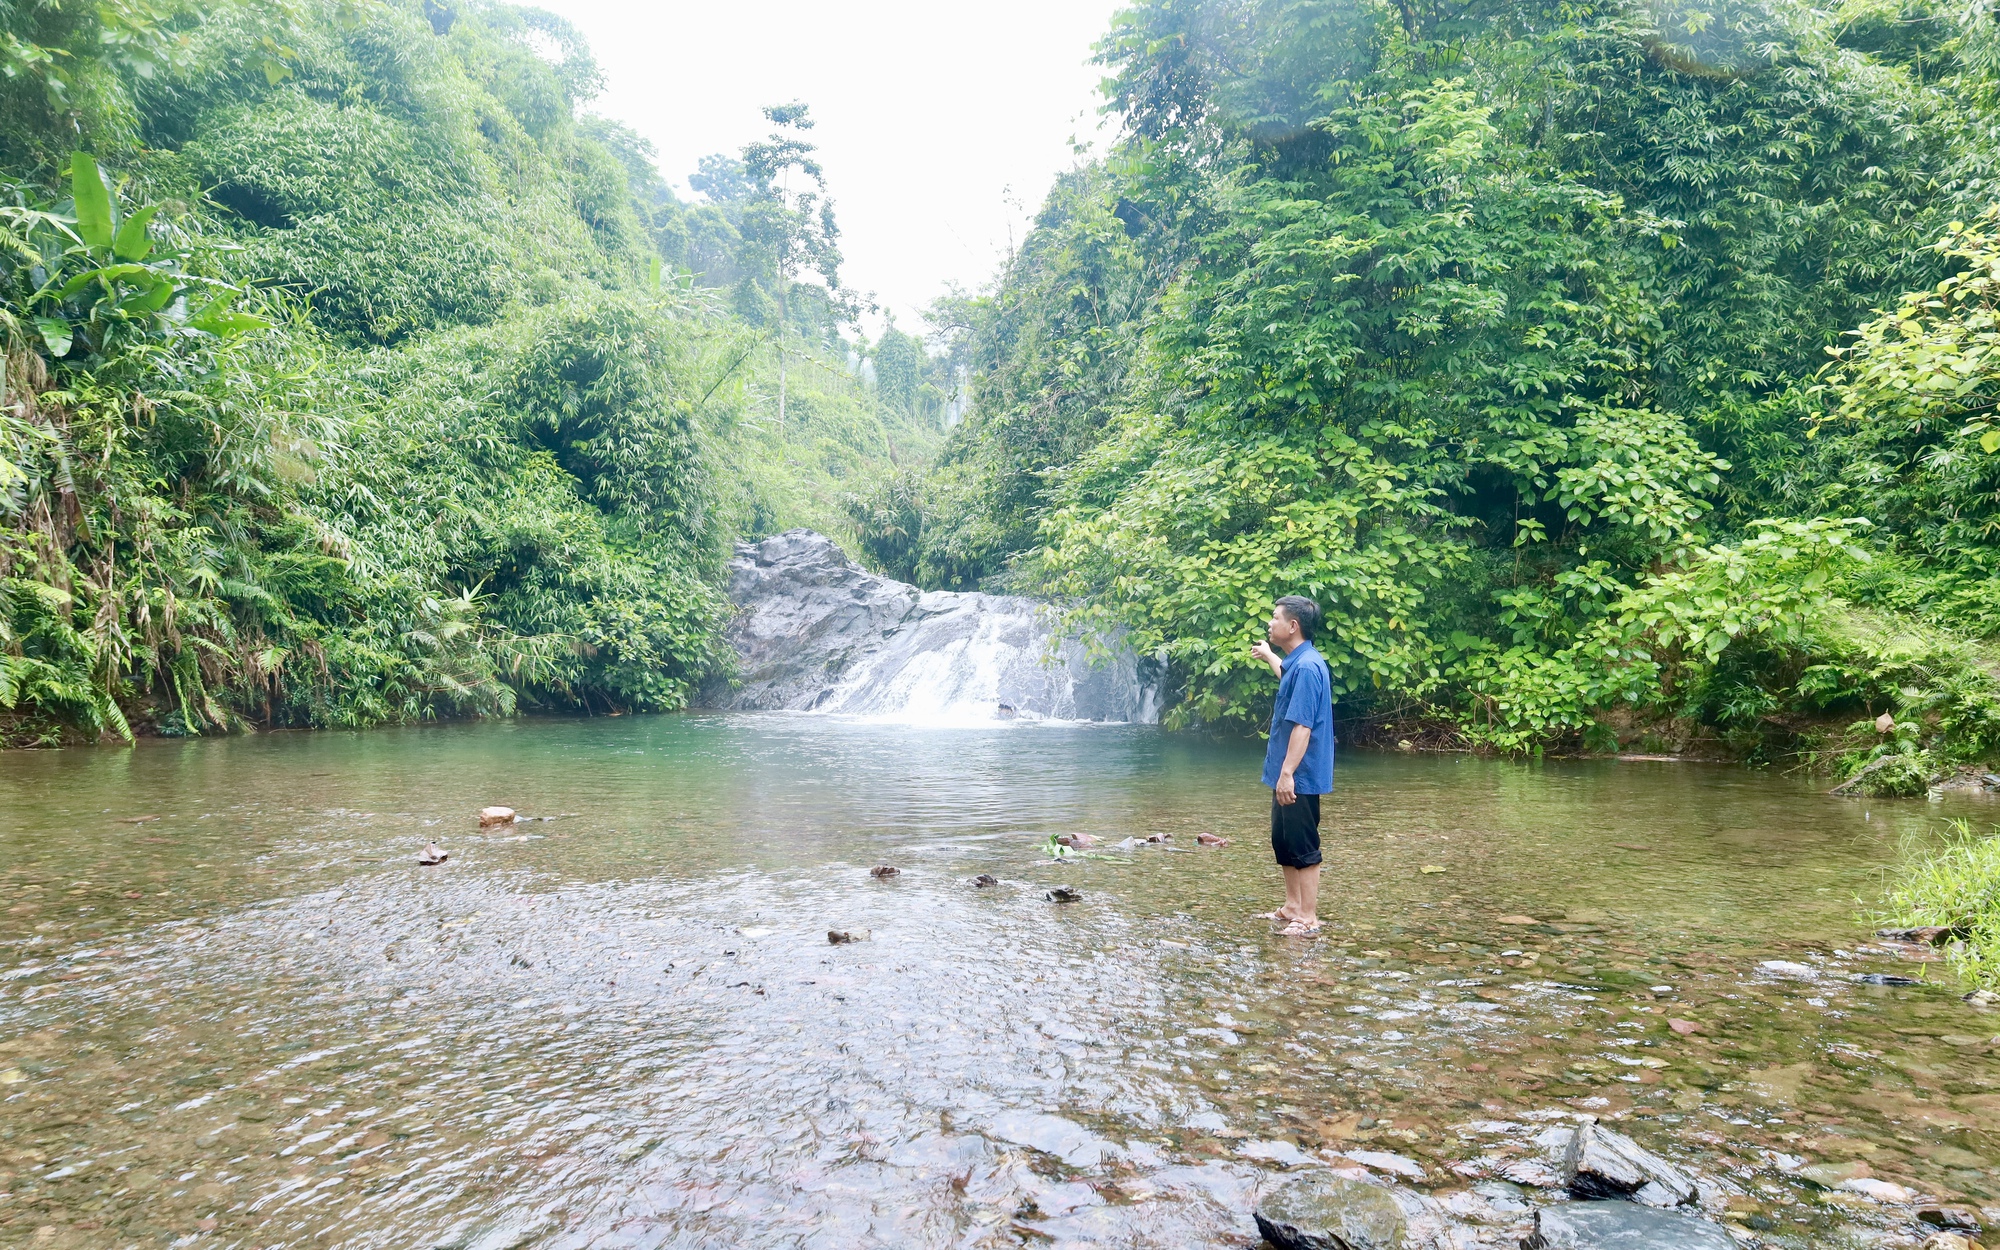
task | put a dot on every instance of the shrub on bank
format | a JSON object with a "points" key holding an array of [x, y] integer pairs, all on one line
{"points": [[1956, 888]]}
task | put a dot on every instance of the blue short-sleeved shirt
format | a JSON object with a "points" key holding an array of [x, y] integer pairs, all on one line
{"points": [[1305, 697]]}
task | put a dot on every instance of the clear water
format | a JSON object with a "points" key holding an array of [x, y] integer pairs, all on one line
{"points": [[254, 1019]]}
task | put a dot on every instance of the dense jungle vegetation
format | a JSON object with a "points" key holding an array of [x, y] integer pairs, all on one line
{"points": [[354, 373], [1616, 375]]}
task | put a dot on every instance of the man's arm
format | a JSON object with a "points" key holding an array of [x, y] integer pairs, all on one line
{"points": [[1295, 750], [1263, 652]]}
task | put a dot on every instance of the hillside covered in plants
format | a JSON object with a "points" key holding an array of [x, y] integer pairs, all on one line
{"points": [[1617, 376], [354, 373]]}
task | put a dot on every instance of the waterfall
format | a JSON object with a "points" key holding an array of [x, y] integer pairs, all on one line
{"points": [[815, 632]]}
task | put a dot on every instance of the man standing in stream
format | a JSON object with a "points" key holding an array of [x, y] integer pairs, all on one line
{"points": [[1298, 762]]}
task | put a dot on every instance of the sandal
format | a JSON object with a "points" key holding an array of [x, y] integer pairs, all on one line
{"points": [[1271, 915], [1299, 928]]}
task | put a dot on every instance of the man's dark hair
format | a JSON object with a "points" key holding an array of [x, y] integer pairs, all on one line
{"points": [[1304, 612]]}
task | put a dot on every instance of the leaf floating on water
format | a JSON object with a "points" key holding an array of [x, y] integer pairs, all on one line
{"points": [[1431, 869]]}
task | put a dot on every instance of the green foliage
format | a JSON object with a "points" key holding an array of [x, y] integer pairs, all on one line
{"points": [[1500, 331], [364, 392], [1956, 887]]}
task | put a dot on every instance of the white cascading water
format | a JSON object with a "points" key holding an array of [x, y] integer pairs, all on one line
{"points": [[987, 658], [815, 632]]}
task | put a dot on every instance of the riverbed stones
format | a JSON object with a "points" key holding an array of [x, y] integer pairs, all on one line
{"points": [[842, 937], [1064, 894], [985, 881], [883, 872], [432, 855], [1600, 1163], [1622, 1226], [1321, 1211], [489, 817]]}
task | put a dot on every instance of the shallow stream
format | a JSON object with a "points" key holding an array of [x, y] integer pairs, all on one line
{"points": [[235, 1012]]}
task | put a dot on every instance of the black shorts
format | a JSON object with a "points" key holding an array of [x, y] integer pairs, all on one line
{"points": [[1295, 831]]}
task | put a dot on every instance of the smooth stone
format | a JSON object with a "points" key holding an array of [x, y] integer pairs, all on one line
{"points": [[1950, 1218], [986, 881], [1834, 1175], [1879, 1190], [1321, 1211], [1786, 968], [882, 872], [1063, 894], [1622, 1226], [1383, 1161], [490, 816], [841, 937], [1600, 1163]]}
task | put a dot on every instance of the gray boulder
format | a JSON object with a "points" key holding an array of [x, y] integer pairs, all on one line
{"points": [[815, 631], [1603, 1164], [1622, 1226], [1319, 1211]]}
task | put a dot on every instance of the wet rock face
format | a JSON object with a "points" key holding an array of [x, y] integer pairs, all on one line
{"points": [[815, 631], [1602, 1164], [1323, 1212], [1622, 1226]]}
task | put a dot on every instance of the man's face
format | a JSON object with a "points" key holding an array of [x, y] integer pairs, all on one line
{"points": [[1282, 630]]}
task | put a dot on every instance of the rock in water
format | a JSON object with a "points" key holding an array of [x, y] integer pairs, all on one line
{"points": [[1319, 1211], [432, 854], [1604, 1164], [1951, 1219], [1622, 1226], [814, 631], [1929, 935], [1077, 841], [882, 872], [841, 937], [491, 816], [986, 881], [1211, 839], [1064, 894]]}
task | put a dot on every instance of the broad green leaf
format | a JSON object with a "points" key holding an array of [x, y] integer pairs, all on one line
{"points": [[93, 200], [56, 333], [108, 273], [154, 300], [132, 242], [223, 322], [1989, 442]]}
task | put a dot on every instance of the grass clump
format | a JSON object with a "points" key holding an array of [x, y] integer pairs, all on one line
{"points": [[1956, 887]]}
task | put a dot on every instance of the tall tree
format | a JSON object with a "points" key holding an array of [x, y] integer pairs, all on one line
{"points": [[788, 224]]}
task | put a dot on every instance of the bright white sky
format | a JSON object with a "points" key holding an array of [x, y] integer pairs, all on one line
{"points": [[941, 123]]}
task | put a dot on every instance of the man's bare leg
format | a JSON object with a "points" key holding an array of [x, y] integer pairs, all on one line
{"points": [[1293, 899], [1307, 907]]}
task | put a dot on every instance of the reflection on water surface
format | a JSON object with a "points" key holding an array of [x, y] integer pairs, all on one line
{"points": [[233, 1009]]}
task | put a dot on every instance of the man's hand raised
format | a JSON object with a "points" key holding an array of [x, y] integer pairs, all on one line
{"points": [[1263, 652]]}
